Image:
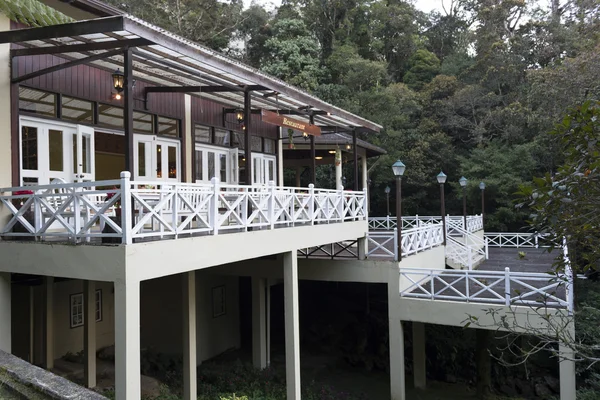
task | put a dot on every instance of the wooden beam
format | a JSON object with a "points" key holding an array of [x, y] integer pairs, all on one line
{"points": [[66, 65], [77, 48], [355, 153], [247, 141], [313, 155], [99, 25]]}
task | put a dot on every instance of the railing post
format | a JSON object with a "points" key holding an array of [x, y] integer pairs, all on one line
{"points": [[174, 204], [487, 253], [365, 205], [126, 208], [271, 212], [214, 207], [432, 281], [569, 275], [417, 222], [341, 204], [467, 291], [395, 244], [311, 203], [469, 257], [77, 215], [507, 285], [536, 240]]}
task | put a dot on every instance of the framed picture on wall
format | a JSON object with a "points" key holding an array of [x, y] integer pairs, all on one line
{"points": [[219, 301]]}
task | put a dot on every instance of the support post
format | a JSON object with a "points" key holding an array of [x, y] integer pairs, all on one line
{"points": [[399, 215], [128, 108], [268, 301], [127, 340], [355, 153], [247, 141], [292, 328], [5, 313], [362, 246], [259, 324], [280, 157], [568, 386], [419, 357], [338, 169], [89, 333], [364, 172], [313, 155], [396, 339], [443, 210], [190, 364], [49, 322], [483, 363]]}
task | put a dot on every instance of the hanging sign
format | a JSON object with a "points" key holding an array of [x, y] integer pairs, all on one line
{"points": [[285, 121]]}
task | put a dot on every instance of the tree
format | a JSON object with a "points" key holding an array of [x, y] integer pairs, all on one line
{"points": [[424, 66]]}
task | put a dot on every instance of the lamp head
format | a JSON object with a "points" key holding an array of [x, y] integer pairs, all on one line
{"points": [[441, 177], [463, 181], [118, 80], [398, 168], [387, 190], [482, 185]]}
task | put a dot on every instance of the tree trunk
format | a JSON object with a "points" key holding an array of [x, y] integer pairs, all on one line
{"points": [[483, 363]]}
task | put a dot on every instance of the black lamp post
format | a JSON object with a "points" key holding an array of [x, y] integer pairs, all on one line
{"points": [[387, 191], [441, 178], [482, 187], [398, 168], [463, 182]]}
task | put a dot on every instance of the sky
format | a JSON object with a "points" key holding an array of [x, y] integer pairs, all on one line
{"points": [[423, 5]]}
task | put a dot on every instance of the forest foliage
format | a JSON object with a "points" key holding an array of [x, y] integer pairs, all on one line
{"points": [[472, 90]]}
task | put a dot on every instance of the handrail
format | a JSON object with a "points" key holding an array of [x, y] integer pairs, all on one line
{"points": [[155, 209], [474, 222], [494, 287], [516, 239]]}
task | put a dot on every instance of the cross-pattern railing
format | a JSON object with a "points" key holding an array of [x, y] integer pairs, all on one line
{"points": [[507, 288], [465, 248], [130, 210], [514, 239], [474, 222]]}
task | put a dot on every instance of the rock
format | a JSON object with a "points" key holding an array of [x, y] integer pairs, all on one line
{"points": [[151, 387], [509, 391], [524, 387], [553, 383], [543, 391], [107, 353]]}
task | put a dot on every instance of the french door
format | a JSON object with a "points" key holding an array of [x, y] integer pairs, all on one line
{"points": [[263, 168], [216, 162], [55, 151], [156, 158]]}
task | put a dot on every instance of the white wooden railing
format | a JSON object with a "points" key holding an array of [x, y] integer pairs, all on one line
{"points": [[151, 209], [517, 240], [507, 288], [474, 222], [465, 248]]}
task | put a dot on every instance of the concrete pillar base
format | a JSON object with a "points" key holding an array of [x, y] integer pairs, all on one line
{"points": [[419, 356], [127, 340], [190, 381], [89, 333], [259, 323], [568, 386]]}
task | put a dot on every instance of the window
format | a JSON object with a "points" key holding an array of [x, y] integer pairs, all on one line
{"points": [[77, 110], [221, 137], [256, 143], [29, 156], [55, 138], [238, 140], [37, 101], [202, 134], [219, 301], [76, 310], [143, 122], [269, 146], [110, 116], [98, 305], [168, 126]]}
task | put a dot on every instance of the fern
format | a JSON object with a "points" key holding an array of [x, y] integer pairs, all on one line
{"points": [[32, 13]]}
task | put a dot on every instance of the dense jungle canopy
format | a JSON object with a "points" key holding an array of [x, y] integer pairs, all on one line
{"points": [[472, 90]]}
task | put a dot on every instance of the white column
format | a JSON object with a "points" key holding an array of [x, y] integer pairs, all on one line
{"points": [[419, 357], [338, 169], [365, 176], [280, 158], [568, 387], [49, 321], [189, 131], [127, 340], [5, 312], [190, 382], [292, 328], [396, 339], [362, 246], [259, 324], [89, 333]]}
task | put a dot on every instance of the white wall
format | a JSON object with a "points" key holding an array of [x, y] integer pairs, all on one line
{"points": [[67, 339]]}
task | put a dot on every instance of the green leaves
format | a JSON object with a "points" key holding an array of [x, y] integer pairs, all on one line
{"points": [[32, 13]]}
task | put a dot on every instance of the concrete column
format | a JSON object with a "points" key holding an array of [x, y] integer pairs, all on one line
{"points": [[338, 168], [364, 169], [127, 340], [49, 322], [567, 373], [362, 247], [5, 311], [259, 323], [419, 357], [190, 381], [189, 143], [89, 333], [396, 339], [292, 325]]}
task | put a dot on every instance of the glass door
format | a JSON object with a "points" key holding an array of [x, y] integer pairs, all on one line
{"points": [[216, 162], [263, 168], [83, 154], [156, 158]]}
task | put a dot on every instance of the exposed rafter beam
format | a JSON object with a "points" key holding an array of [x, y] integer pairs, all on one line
{"points": [[77, 48], [99, 25], [202, 89], [66, 65]]}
